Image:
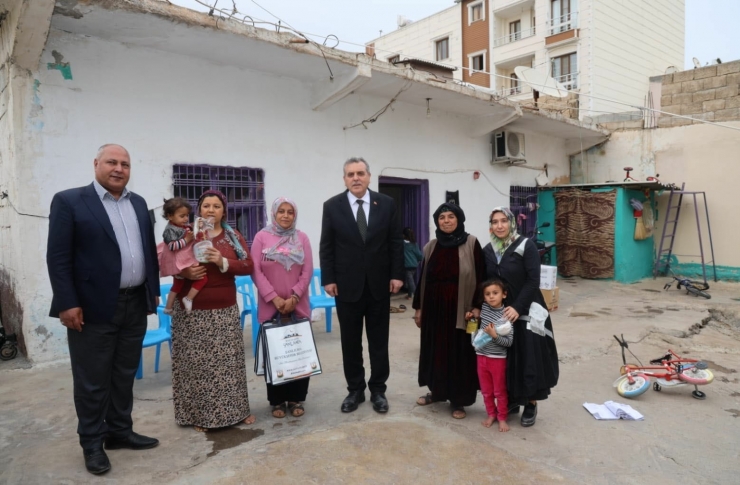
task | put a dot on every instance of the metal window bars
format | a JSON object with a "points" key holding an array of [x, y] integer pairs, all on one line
{"points": [[244, 189], [523, 204]]}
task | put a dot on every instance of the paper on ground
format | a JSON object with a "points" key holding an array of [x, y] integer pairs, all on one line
{"points": [[613, 410]]}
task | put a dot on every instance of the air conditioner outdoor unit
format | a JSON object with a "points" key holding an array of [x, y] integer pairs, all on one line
{"points": [[508, 148]]}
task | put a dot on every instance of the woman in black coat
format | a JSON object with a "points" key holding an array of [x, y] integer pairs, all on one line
{"points": [[532, 361]]}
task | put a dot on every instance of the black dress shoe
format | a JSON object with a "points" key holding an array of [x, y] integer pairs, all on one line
{"points": [[96, 461], [529, 416], [353, 399], [380, 403], [134, 441], [514, 409]]}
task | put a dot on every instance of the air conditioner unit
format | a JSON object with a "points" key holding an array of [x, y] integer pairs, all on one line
{"points": [[508, 148]]}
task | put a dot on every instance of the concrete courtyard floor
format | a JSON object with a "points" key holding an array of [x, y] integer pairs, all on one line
{"points": [[682, 439]]}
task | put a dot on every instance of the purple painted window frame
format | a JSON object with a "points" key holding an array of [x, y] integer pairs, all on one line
{"points": [[244, 188]]}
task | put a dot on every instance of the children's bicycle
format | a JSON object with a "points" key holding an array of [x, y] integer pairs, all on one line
{"points": [[670, 370], [8, 345], [696, 288]]}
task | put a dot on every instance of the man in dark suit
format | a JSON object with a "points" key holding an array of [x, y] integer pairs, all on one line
{"points": [[361, 255], [102, 263]]}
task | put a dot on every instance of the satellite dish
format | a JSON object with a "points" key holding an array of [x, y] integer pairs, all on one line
{"points": [[696, 62], [671, 69], [539, 81]]}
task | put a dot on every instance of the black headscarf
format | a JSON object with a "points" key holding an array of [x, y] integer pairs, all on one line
{"points": [[458, 236]]}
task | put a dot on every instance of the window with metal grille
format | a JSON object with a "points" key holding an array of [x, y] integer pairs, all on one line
{"points": [[523, 204], [244, 189]]}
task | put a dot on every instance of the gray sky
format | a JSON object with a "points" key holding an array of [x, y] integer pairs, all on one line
{"points": [[712, 28]]}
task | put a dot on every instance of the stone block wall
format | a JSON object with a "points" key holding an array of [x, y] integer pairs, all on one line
{"points": [[567, 106], [710, 93]]}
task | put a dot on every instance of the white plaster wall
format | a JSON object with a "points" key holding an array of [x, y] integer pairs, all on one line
{"points": [[169, 109], [418, 39], [633, 40], [20, 133], [702, 156]]}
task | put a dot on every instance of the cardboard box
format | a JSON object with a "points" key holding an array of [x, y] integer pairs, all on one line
{"points": [[548, 277], [552, 298]]}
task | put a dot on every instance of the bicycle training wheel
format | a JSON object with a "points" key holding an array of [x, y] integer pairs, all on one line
{"points": [[8, 352], [696, 376], [630, 390], [696, 292]]}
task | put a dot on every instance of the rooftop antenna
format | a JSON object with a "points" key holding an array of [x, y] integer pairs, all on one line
{"points": [[540, 83], [696, 62], [402, 21]]}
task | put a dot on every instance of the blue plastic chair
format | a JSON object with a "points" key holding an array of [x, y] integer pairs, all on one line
{"points": [[245, 287], [158, 336], [319, 298]]}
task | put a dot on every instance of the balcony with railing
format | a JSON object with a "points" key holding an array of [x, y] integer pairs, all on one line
{"points": [[562, 28], [515, 36], [568, 81], [516, 93], [517, 90], [517, 44], [509, 86]]}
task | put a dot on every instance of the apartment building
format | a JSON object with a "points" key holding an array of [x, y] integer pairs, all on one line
{"points": [[605, 50], [436, 39]]}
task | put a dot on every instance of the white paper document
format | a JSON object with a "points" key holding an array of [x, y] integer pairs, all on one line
{"points": [[613, 410]]}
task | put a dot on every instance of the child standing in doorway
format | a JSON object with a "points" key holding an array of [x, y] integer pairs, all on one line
{"points": [[492, 356], [411, 258], [176, 253]]}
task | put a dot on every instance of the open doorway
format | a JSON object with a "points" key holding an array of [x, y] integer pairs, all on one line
{"points": [[412, 200]]}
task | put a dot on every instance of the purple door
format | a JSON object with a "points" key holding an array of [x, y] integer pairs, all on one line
{"points": [[412, 199]]}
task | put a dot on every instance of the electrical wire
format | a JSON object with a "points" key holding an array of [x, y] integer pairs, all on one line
{"points": [[305, 35], [639, 108], [381, 111], [230, 16], [456, 171], [4, 196]]}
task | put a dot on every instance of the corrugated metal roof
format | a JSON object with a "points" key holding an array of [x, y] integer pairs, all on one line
{"points": [[424, 63], [626, 185]]}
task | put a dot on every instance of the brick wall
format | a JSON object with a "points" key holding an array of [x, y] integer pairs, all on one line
{"points": [[475, 38], [709, 93]]}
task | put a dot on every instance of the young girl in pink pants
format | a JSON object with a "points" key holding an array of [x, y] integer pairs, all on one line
{"points": [[492, 356]]}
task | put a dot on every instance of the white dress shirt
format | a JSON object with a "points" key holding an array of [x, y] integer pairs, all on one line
{"points": [[365, 206]]}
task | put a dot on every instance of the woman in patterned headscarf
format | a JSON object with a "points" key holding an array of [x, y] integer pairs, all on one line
{"points": [[209, 374], [532, 360], [451, 274], [283, 269]]}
